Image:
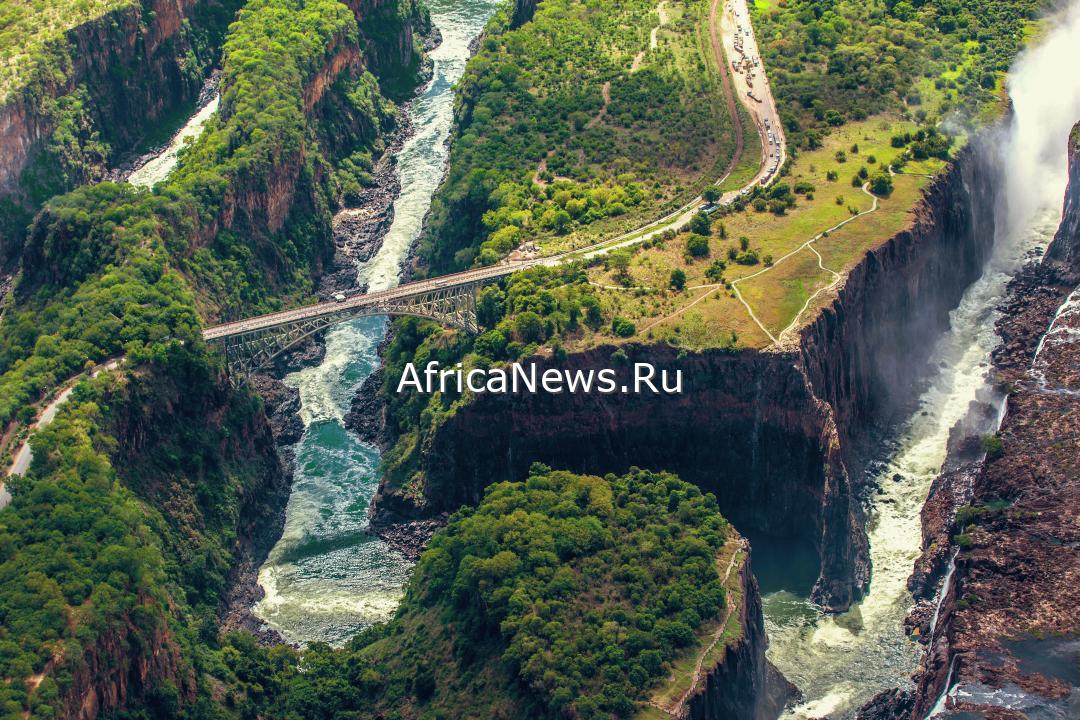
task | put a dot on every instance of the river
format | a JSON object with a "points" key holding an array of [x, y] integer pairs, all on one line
{"points": [[841, 662], [327, 578], [159, 166]]}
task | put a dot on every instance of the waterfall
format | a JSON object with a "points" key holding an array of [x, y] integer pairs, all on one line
{"points": [[841, 662]]}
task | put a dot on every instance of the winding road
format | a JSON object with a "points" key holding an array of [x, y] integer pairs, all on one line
{"points": [[23, 455]]}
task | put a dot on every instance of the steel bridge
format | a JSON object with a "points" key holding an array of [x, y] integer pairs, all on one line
{"points": [[451, 299]]}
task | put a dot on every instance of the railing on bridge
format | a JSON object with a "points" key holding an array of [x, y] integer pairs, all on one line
{"points": [[253, 344]]}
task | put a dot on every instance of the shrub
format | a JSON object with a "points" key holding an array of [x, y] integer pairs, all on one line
{"points": [[992, 446], [697, 245], [528, 327], [622, 327], [700, 224], [750, 257], [678, 279], [881, 185]]}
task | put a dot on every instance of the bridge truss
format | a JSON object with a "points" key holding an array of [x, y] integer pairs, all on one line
{"points": [[247, 352]]}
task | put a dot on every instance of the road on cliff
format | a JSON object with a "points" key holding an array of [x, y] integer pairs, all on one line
{"points": [[23, 455]]}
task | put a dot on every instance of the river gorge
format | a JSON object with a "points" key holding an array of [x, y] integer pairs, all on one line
{"points": [[327, 577], [891, 400], [853, 425], [891, 486]]}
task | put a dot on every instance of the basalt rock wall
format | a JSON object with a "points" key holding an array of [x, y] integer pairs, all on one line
{"points": [[865, 352], [745, 428], [1064, 251], [742, 685]]}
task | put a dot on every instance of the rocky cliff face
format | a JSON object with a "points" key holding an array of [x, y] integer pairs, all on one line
{"points": [[742, 685], [864, 354], [745, 428], [774, 434], [391, 39], [523, 12], [1064, 251], [126, 664], [117, 76], [1006, 639]]}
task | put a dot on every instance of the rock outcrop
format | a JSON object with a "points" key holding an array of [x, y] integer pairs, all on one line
{"points": [[1064, 251], [109, 675], [523, 12], [742, 684]]}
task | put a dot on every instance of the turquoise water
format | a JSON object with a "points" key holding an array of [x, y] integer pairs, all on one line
{"points": [[327, 578]]}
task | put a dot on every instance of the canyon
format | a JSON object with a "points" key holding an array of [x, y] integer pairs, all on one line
{"points": [[782, 437], [195, 452], [770, 433], [1005, 638]]}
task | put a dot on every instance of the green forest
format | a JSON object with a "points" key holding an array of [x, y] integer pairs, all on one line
{"points": [[559, 596], [831, 61], [92, 114], [558, 132]]}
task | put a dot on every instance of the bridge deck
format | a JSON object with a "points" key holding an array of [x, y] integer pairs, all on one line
{"points": [[332, 307]]}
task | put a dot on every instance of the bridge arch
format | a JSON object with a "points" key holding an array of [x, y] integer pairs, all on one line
{"points": [[248, 350]]}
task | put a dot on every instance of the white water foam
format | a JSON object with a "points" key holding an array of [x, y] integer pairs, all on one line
{"points": [[158, 168], [326, 578]]}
